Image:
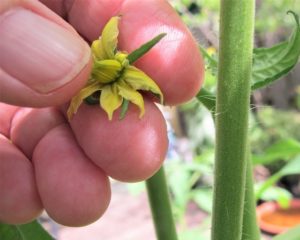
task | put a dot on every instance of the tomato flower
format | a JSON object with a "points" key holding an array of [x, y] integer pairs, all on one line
{"points": [[113, 76]]}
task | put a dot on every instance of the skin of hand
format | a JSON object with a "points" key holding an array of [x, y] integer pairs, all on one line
{"points": [[49, 163]]}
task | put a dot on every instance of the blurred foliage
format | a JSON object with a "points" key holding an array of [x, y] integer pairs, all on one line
{"points": [[201, 232], [190, 181], [275, 193], [283, 150], [29, 231], [298, 97], [291, 234], [271, 125], [199, 12], [266, 22], [267, 127], [199, 126], [291, 168]]}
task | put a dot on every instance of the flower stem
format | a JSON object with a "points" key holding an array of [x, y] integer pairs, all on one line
{"points": [[161, 207], [232, 109]]}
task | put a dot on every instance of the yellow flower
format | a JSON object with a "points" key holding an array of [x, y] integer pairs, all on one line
{"points": [[112, 74], [211, 51]]}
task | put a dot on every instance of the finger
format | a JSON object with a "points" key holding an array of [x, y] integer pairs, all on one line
{"points": [[44, 126], [43, 60], [19, 201], [60, 7], [73, 190], [129, 150], [174, 63], [30, 125], [6, 115]]}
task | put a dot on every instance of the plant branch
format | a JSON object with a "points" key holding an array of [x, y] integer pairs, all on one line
{"points": [[250, 227], [161, 207]]}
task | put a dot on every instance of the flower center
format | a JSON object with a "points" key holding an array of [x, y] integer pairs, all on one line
{"points": [[122, 58], [110, 70]]}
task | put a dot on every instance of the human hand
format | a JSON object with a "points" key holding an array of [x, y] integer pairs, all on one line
{"points": [[48, 162]]}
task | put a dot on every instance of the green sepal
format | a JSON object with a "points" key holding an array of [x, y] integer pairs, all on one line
{"points": [[124, 109], [142, 50], [92, 100]]}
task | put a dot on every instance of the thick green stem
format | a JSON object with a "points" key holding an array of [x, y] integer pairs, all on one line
{"points": [[233, 100], [161, 207], [250, 228]]}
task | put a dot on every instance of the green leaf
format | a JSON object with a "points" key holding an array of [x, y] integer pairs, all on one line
{"points": [[203, 198], [269, 64], [207, 99], [136, 54], [30, 231], [178, 182], [283, 149], [278, 194], [292, 234], [178, 176], [291, 168]]}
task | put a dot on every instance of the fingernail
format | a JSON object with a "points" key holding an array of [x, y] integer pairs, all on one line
{"points": [[38, 52]]}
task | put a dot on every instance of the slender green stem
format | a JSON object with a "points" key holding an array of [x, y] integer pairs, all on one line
{"points": [[161, 207], [250, 228], [233, 100]]}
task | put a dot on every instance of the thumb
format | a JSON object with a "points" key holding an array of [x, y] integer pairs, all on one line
{"points": [[43, 61]]}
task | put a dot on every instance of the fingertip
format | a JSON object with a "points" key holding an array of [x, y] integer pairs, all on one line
{"points": [[7, 113], [33, 122], [129, 150], [19, 201], [175, 63], [73, 190], [14, 92]]}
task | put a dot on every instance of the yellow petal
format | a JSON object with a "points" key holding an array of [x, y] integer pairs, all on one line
{"points": [[98, 51], [110, 100], [138, 80], [77, 100], [106, 71], [131, 95], [109, 37]]}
